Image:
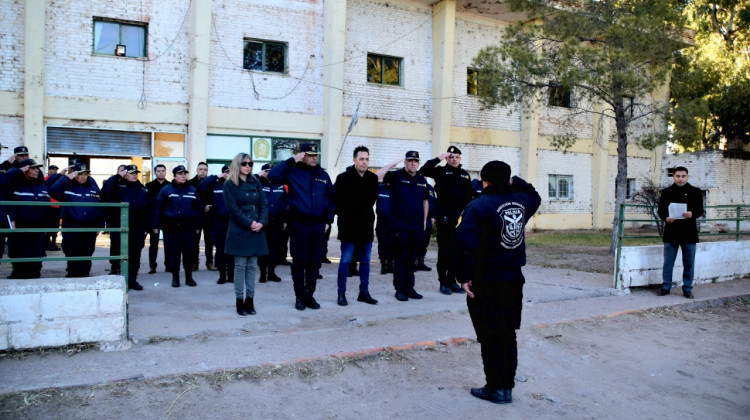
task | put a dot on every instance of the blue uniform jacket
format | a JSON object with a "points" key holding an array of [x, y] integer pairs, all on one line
{"points": [[490, 236], [277, 200], [65, 189], [22, 189], [407, 200], [452, 185], [211, 190], [118, 190], [311, 194], [177, 205]]}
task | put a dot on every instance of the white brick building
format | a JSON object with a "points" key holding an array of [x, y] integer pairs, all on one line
{"points": [[194, 90]]}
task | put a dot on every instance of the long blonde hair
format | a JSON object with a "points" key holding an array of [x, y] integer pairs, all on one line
{"points": [[234, 167]]}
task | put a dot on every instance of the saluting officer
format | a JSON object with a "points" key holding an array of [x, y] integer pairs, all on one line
{"points": [[212, 191], [178, 213], [20, 153], [275, 229], [125, 187], [422, 252], [454, 192], [311, 211], [408, 209], [76, 187]]}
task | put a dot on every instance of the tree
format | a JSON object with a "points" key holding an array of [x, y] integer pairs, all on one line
{"points": [[610, 54], [649, 195]]}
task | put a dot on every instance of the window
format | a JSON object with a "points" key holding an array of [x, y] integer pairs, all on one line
{"points": [[559, 96], [109, 34], [383, 70], [561, 187], [630, 189], [264, 56], [476, 84]]}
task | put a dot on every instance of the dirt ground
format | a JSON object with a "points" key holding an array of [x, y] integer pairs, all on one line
{"points": [[688, 365]]}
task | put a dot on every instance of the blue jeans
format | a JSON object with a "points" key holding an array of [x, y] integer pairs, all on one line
{"points": [[364, 251], [688, 260], [244, 276]]}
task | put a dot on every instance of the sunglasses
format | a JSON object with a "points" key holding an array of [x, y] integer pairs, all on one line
{"points": [[250, 164]]}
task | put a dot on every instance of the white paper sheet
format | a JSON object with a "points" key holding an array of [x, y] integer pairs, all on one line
{"points": [[676, 210]]}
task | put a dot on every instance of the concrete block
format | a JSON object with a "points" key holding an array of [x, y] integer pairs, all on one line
{"points": [[111, 301], [23, 307], [69, 304], [102, 328], [24, 335]]}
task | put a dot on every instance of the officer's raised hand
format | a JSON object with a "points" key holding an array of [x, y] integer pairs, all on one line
{"points": [[122, 172], [444, 156], [298, 157], [72, 175]]}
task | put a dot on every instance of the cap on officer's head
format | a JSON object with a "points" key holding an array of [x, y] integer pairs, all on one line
{"points": [[31, 163], [51, 167], [131, 169], [266, 167], [179, 168], [496, 172], [81, 167], [225, 169], [309, 148], [21, 150], [411, 155], [454, 149]]}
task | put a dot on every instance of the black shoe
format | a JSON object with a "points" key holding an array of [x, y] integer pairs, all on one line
{"points": [[240, 307], [401, 296], [299, 305], [262, 279], [455, 288], [421, 265], [688, 295], [366, 298], [445, 290], [326, 260], [353, 272], [114, 271], [249, 306], [135, 286], [662, 292], [489, 394], [189, 280], [273, 277], [311, 303], [320, 276], [413, 294], [152, 270], [175, 279], [383, 267], [342, 300]]}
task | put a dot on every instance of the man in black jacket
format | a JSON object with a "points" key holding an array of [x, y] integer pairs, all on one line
{"points": [[153, 187], [680, 205], [356, 192], [201, 172]]}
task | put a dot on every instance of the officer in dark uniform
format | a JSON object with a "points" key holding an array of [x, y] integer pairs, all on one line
{"points": [[20, 153], [76, 187], [453, 188], [124, 187], [490, 252], [153, 187], [422, 252], [383, 230], [277, 208], [311, 211], [112, 221], [27, 184], [208, 244], [211, 189], [408, 209], [178, 212], [54, 213]]}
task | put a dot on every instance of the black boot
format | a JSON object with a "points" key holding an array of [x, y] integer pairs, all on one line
{"points": [[383, 266], [421, 265], [189, 279], [249, 307], [342, 299], [240, 307], [353, 272], [222, 276], [175, 278], [263, 270], [272, 274], [133, 283], [366, 298]]}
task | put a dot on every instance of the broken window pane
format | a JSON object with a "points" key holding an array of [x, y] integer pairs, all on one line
{"points": [[253, 56], [275, 57]]}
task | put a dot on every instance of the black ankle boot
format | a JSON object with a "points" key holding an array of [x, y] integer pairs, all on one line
{"points": [[249, 307], [421, 265], [222, 276], [272, 276], [175, 278], [240, 307], [366, 298], [263, 270], [342, 299], [189, 279]]}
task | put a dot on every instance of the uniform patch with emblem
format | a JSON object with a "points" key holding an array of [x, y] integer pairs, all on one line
{"points": [[512, 218]]}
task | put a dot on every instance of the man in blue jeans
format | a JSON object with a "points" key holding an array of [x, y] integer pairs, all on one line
{"points": [[356, 193], [680, 230]]}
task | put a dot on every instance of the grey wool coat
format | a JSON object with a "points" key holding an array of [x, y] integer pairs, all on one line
{"points": [[246, 203]]}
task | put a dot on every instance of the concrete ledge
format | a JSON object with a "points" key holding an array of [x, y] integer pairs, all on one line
{"points": [[714, 262], [61, 311]]}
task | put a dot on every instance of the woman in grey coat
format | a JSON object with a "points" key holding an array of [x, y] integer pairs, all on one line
{"points": [[246, 239]]}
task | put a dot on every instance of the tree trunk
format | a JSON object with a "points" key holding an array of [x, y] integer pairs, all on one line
{"points": [[621, 179]]}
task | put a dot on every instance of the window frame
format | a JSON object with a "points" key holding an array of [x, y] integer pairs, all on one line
{"points": [[559, 96], [381, 58], [141, 25], [265, 43], [631, 187], [481, 86], [555, 194]]}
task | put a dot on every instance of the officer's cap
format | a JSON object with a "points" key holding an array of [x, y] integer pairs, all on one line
{"points": [[454, 149], [497, 172], [225, 169], [266, 167], [53, 167], [31, 163], [131, 169], [309, 148], [81, 167], [179, 168], [411, 155], [21, 150]]}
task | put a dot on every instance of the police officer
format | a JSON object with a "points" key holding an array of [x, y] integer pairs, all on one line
{"points": [[275, 229], [54, 213], [383, 229], [178, 213], [27, 184], [211, 189], [125, 187], [408, 209], [311, 211], [20, 154], [201, 173], [422, 252], [454, 192], [490, 252], [153, 187], [76, 187], [112, 221]]}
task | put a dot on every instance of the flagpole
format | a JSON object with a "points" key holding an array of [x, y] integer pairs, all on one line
{"points": [[355, 118]]}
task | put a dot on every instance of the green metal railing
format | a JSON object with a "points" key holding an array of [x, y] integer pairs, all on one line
{"points": [[123, 229], [737, 218]]}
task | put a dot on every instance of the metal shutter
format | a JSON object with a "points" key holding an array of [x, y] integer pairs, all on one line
{"points": [[89, 142]]}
